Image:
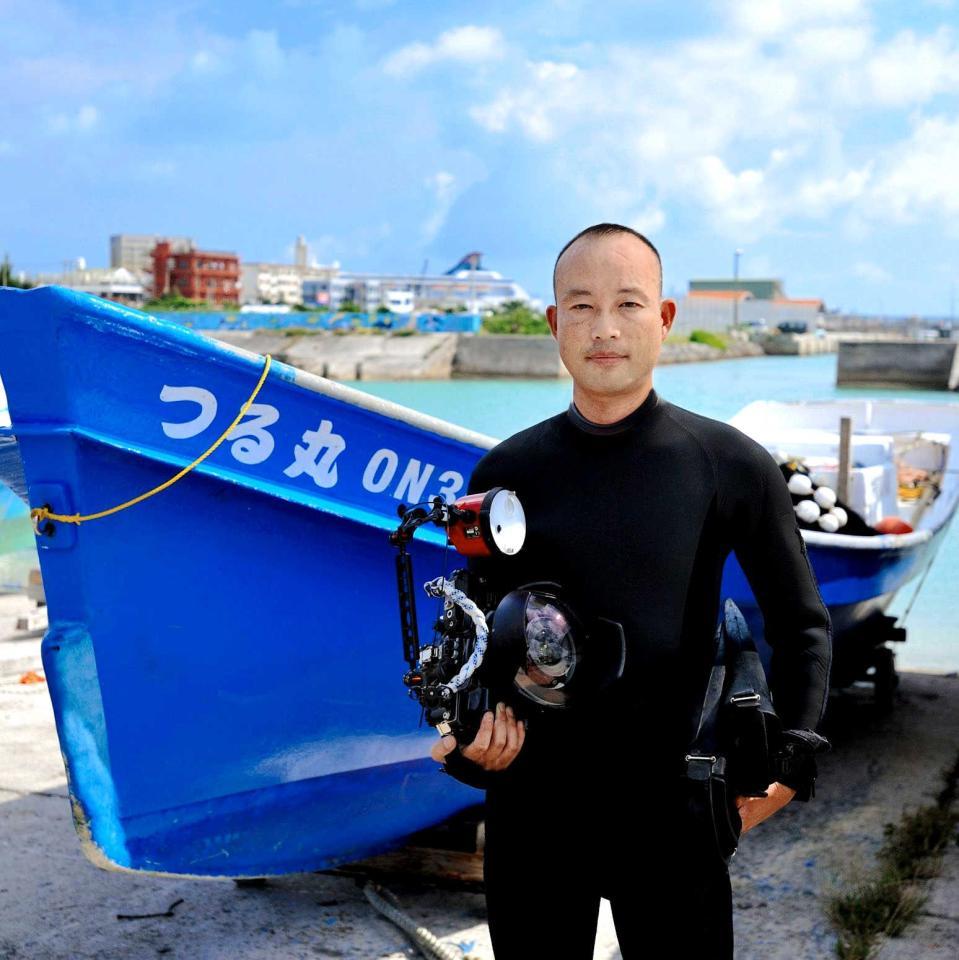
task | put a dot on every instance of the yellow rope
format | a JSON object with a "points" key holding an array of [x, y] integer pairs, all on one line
{"points": [[38, 514]]}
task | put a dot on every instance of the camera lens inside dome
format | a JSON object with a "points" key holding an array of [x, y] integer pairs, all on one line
{"points": [[551, 653]]}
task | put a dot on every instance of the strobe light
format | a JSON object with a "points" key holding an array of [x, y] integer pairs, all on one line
{"points": [[482, 524], [527, 648]]}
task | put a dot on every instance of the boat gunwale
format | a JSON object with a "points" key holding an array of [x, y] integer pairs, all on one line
{"points": [[340, 509]]}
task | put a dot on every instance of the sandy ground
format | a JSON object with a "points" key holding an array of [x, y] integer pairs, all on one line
{"points": [[55, 904]]}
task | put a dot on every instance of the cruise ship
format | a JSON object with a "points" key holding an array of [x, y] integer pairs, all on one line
{"points": [[468, 285]]}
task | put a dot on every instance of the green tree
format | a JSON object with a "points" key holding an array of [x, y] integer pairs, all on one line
{"points": [[350, 306], [514, 316], [7, 279], [709, 338], [173, 301]]}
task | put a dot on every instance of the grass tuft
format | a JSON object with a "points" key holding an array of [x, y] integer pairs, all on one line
{"points": [[886, 903]]}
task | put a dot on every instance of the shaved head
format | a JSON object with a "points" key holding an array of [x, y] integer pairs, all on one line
{"points": [[606, 230]]}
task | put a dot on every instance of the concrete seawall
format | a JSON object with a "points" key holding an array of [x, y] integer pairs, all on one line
{"points": [[932, 365], [440, 356], [799, 344]]}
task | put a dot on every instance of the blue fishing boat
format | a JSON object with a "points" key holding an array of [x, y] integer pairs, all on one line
{"points": [[224, 659], [902, 475], [224, 656], [17, 552]]}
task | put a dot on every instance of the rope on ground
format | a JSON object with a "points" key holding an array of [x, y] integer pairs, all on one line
{"points": [[39, 514], [426, 941]]}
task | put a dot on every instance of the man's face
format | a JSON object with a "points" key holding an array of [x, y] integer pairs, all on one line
{"points": [[609, 320]]}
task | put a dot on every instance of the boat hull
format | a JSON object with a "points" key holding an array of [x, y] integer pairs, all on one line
{"points": [[224, 659]]}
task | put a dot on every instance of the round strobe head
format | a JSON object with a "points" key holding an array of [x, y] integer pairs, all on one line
{"points": [[483, 524], [506, 520]]}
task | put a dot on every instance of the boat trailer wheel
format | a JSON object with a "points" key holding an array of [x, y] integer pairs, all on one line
{"points": [[885, 678]]}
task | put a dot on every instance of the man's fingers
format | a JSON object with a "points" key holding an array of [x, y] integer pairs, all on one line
{"points": [[512, 735], [443, 748], [481, 741], [498, 739], [500, 731]]}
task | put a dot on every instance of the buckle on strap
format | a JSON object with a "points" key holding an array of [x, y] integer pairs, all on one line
{"points": [[699, 766]]}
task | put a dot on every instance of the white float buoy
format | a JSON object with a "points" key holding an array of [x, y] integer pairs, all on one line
{"points": [[800, 485], [825, 497], [807, 511], [840, 515], [829, 522]]}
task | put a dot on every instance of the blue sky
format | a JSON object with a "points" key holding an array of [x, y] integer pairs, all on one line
{"points": [[819, 136]]}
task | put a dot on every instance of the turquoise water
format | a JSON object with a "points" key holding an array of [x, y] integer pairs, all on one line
{"points": [[17, 552], [716, 389]]}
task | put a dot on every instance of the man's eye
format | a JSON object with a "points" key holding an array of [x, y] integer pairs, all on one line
{"points": [[577, 306], [631, 303]]}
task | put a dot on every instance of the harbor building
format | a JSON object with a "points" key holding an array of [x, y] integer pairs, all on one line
{"points": [[111, 283], [282, 283], [717, 305], [208, 275], [134, 251], [468, 285]]}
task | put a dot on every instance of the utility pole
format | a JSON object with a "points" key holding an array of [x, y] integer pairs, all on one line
{"points": [[736, 257]]}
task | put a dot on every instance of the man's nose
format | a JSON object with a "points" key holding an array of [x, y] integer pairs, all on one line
{"points": [[605, 324]]}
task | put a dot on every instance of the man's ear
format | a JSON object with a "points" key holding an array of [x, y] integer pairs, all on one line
{"points": [[667, 311], [551, 319]]}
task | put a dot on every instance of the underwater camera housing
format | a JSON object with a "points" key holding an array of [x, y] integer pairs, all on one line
{"points": [[527, 648]]}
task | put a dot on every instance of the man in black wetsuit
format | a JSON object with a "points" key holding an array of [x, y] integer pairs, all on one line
{"points": [[633, 505]]}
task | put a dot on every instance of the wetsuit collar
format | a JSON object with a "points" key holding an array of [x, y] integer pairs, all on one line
{"points": [[631, 420]]}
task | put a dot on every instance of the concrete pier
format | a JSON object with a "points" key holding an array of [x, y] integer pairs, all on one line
{"points": [[917, 364], [439, 356], [798, 344]]}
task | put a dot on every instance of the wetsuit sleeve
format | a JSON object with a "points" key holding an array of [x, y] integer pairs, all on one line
{"points": [[456, 765], [772, 552], [463, 769]]}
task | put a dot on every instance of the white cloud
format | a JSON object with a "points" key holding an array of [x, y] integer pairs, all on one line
{"points": [[443, 185], [819, 198], [648, 221], [832, 44], [911, 69], [735, 199], [82, 121], [537, 106], [469, 44], [768, 18], [205, 61], [753, 129], [919, 177], [870, 272]]}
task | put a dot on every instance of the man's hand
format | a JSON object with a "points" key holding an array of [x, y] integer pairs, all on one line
{"points": [[753, 810], [496, 744]]}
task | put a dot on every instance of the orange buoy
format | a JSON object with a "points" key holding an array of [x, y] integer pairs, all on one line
{"points": [[893, 525]]}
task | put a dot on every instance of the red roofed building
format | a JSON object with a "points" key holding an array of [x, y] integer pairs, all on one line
{"points": [[197, 274], [739, 295]]}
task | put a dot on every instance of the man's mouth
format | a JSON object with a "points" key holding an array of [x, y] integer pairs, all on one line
{"points": [[606, 357]]}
